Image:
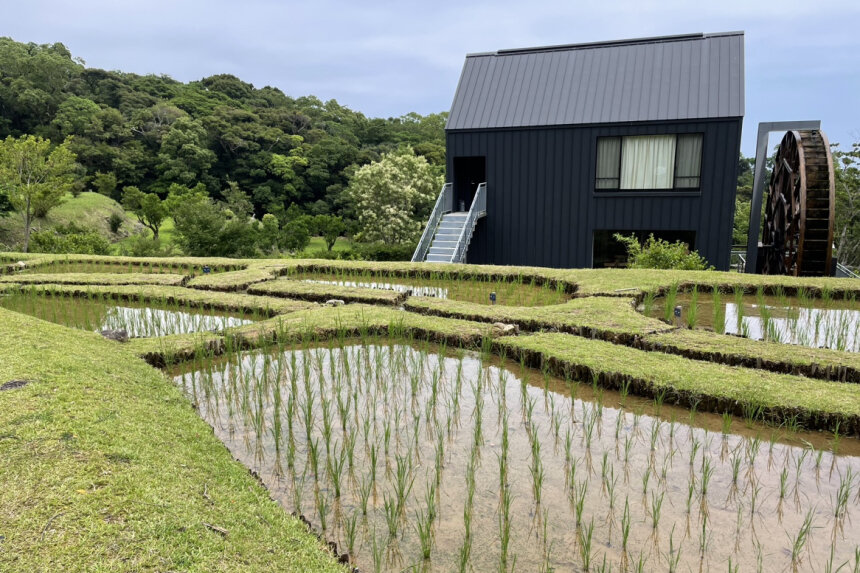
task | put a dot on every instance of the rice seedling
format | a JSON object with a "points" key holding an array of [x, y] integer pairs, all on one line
{"points": [[349, 527], [800, 539], [392, 514], [692, 317], [656, 508], [669, 301], [579, 492], [585, 541], [424, 528], [842, 494]]}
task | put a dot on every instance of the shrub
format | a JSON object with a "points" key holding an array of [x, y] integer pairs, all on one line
{"points": [[661, 254], [71, 238], [145, 246], [114, 222]]}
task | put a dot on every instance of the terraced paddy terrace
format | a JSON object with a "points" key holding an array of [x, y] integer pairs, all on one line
{"points": [[412, 424]]}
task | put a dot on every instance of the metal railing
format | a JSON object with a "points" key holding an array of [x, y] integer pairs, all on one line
{"points": [[738, 260], [476, 211], [845, 272], [444, 204]]}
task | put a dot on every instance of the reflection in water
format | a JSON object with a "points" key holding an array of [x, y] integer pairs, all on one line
{"points": [[139, 320], [147, 321], [434, 292], [817, 327], [816, 323], [376, 443]]}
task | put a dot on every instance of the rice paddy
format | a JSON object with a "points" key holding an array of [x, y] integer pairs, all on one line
{"points": [[551, 441], [802, 320], [138, 319], [476, 290], [412, 456]]}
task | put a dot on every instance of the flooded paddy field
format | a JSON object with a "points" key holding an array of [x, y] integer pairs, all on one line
{"points": [[510, 293], [137, 319], [817, 322], [411, 456]]}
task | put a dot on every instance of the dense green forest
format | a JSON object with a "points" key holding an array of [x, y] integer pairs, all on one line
{"points": [[246, 145]]}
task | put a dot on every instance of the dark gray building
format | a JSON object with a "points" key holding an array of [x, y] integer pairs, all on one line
{"points": [[578, 142]]}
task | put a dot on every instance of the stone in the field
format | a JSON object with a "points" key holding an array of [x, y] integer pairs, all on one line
{"points": [[502, 329], [120, 335], [334, 302]]}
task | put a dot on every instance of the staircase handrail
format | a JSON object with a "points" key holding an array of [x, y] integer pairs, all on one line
{"points": [[439, 209], [476, 210]]}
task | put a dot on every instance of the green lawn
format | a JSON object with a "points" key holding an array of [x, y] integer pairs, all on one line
{"points": [[107, 467]]}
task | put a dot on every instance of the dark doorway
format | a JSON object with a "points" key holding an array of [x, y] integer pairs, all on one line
{"points": [[609, 252], [469, 172]]}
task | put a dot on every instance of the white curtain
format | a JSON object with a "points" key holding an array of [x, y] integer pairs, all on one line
{"points": [[648, 162]]}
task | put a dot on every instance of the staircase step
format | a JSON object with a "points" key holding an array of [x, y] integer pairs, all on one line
{"points": [[450, 225], [443, 244], [448, 234], [437, 259]]}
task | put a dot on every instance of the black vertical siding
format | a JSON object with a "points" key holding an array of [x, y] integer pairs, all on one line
{"points": [[542, 209]]}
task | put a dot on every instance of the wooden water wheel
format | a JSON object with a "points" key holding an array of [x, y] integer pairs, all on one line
{"points": [[798, 224]]}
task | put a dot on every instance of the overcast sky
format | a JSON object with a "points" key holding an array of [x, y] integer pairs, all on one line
{"points": [[389, 58]]}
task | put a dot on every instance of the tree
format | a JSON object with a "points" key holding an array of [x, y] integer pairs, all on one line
{"points": [[147, 207], [35, 176], [846, 166], [393, 196], [330, 227]]}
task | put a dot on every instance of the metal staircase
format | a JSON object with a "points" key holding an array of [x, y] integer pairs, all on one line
{"points": [[447, 235]]}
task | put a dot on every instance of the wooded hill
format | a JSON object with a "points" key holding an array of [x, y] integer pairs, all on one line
{"points": [[152, 131]]}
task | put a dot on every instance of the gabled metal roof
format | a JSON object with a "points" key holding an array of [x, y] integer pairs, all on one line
{"points": [[650, 79]]}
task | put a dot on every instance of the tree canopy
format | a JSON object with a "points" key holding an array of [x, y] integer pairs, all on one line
{"points": [[152, 132]]}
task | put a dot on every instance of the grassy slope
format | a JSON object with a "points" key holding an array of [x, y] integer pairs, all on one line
{"points": [[88, 209], [605, 315], [105, 465]]}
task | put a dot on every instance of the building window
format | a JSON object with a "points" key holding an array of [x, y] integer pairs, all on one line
{"points": [[649, 162]]}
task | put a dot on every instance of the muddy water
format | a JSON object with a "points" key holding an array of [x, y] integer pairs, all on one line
{"points": [[383, 404], [478, 292], [138, 319], [829, 324]]}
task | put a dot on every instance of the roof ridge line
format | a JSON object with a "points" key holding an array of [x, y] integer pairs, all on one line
{"points": [[606, 44]]}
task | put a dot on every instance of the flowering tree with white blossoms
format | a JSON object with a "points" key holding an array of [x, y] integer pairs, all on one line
{"points": [[393, 197]]}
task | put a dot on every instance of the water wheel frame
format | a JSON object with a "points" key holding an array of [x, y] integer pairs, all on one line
{"points": [[799, 213]]}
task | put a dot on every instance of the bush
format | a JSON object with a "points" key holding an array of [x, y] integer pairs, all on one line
{"points": [[145, 246], [114, 222], [71, 238], [384, 251], [661, 254], [344, 255]]}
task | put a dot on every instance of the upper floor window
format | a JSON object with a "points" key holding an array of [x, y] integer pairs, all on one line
{"points": [[649, 162]]}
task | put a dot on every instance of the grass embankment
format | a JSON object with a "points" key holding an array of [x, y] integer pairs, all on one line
{"points": [[320, 292], [777, 398], [106, 466], [359, 320], [164, 279], [738, 351], [610, 318], [237, 280], [636, 282], [110, 263]]}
